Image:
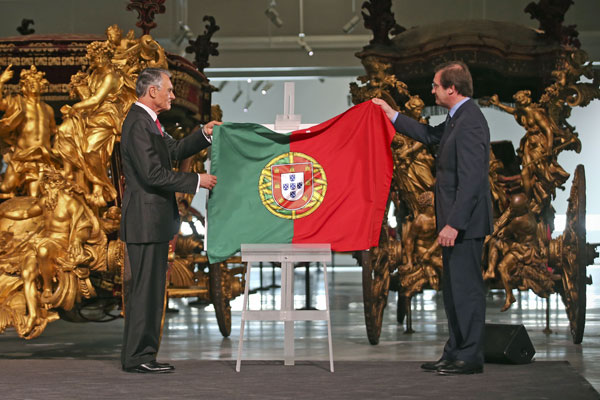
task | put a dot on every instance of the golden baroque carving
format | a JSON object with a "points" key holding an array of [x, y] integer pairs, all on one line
{"points": [[519, 254], [55, 221]]}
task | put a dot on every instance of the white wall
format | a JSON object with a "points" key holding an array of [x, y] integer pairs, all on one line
{"points": [[316, 99]]}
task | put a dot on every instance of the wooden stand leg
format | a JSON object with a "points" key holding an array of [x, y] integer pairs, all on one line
{"points": [[328, 317], [244, 308]]}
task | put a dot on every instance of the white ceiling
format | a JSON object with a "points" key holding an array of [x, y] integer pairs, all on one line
{"points": [[248, 39]]}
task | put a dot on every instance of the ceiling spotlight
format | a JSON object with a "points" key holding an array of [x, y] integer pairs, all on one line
{"points": [[308, 49], [247, 105], [350, 25], [256, 85], [266, 88], [184, 32], [273, 15], [237, 95], [221, 85], [304, 45]]}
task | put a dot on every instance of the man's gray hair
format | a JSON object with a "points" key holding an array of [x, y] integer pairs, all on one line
{"points": [[149, 77]]}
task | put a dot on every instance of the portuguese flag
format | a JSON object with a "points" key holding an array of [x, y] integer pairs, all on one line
{"points": [[325, 184]]}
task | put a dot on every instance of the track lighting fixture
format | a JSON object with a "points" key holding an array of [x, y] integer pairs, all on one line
{"points": [[266, 88], [184, 32], [301, 35], [221, 85], [351, 24], [256, 85], [304, 45], [237, 95], [308, 49], [247, 105], [273, 15]]}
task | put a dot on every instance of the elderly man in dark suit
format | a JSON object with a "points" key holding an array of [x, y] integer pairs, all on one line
{"points": [[463, 211], [150, 217]]}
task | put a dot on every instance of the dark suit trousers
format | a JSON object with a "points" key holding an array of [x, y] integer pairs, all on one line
{"points": [[144, 302], [464, 300]]}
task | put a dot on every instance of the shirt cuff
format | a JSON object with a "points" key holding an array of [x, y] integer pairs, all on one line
{"points": [[198, 187], [209, 138], [393, 119]]}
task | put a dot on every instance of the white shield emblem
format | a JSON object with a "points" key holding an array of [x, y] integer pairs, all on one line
{"points": [[292, 185]]}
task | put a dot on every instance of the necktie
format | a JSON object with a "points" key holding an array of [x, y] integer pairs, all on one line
{"points": [[159, 127]]}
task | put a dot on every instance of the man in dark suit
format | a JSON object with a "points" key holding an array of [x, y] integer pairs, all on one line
{"points": [[150, 217], [463, 211]]}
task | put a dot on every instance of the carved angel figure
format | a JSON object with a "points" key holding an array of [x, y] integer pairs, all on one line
{"points": [[516, 250], [540, 171], [27, 127], [56, 241], [422, 252]]}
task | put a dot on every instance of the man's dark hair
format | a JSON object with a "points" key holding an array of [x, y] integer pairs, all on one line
{"points": [[457, 74], [149, 77]]}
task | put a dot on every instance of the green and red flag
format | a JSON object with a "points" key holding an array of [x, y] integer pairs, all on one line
{"points": [[325, 184]]}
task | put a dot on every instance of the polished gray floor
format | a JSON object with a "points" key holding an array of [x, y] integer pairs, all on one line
{"points": [[192, 333]]}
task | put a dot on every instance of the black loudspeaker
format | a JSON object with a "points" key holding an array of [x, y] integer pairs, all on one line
{"points": [[507, 344]]}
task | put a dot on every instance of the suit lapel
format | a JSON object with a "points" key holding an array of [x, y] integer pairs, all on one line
{"points": [[157, 139], [147, 116], [447, 131], [450, 124]]}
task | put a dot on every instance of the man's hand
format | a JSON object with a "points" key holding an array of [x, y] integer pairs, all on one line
{"points": [[6, 75], [208, 128], [389, 111], [447, 236], [208, 181]]}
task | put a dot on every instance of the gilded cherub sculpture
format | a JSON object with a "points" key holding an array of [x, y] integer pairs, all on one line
{"points": [[91, 127], [540, 171], [54, 225], [66, 242], [517, 251], [422, 253], [27, 127]]}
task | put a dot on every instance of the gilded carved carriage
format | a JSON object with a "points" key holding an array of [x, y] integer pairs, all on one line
{"points": [[537, 76], [63, 101]]}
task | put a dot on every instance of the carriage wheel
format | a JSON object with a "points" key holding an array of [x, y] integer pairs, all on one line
{"points": [[576, 257], [376, 284], [219, 298]]}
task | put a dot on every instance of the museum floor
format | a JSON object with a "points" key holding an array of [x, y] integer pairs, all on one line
{"points": [[192, 332]]}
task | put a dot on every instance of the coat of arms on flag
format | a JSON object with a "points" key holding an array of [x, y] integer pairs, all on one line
{"points": [[292, 185]]}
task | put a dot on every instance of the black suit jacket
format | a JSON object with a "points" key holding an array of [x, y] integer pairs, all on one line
{"points": [[149, 211], [462, 191]]}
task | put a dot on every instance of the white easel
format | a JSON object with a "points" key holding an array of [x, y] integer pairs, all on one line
{"points": [[288, 121], [287, 255]]}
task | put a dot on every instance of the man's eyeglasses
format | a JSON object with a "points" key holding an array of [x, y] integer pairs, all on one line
{"points": [[434, 85]]}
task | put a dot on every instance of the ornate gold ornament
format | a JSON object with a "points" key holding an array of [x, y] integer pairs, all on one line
{"points": [[26, 129], [60, 217], [519, 254], [56, 237]]}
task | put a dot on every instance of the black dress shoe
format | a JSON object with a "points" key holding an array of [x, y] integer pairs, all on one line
{"points": [[164, 364], [460, 368], [151, 367], [435, 365]]}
